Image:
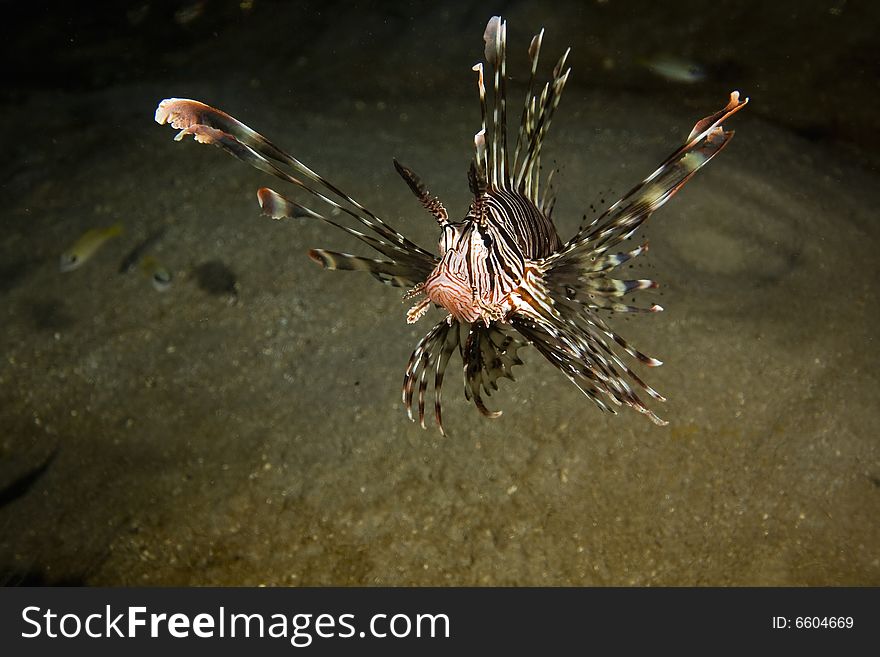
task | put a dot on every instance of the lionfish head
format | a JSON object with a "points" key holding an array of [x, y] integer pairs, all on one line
{"points": [[456, 283]]}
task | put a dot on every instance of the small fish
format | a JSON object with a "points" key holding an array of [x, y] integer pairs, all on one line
{"points": [[503, 276], [190, 12], [129, 262], [159, 276], [85, 247], [675, 69]]}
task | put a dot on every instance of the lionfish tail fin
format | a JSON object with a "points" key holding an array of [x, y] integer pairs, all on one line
{"points": [[208, 125]]}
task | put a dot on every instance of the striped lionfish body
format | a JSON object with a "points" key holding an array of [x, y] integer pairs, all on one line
{"points": [[503, 275]]}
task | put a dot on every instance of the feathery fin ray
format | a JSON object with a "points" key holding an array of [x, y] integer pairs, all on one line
{"points": [[561, 289]]}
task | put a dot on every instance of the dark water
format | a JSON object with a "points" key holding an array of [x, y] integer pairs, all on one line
{"points": [[245, 425]]}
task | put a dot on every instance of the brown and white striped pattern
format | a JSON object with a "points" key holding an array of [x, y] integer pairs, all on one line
{"points": [[503, 276]]}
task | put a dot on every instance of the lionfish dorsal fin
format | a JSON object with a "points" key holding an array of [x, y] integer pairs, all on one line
{"points": [[534, 54], [480, 163], [491, 37], [519, 172], [537, 117], [431, 203], [474, 179], [495, 38], [477, 184]]}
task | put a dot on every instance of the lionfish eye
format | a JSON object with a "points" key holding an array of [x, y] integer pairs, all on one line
{"points": [[487, 240]]}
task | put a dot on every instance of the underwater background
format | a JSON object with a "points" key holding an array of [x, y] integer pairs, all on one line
{"points": [[244, 426]]}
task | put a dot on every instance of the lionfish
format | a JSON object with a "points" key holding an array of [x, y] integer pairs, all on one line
{"points": [[503, 275]]}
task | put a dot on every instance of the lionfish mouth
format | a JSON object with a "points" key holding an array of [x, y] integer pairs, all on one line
{"points": [[503, 275]]}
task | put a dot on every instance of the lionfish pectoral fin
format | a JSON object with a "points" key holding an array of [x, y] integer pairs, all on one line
{"points": [[209, 125], [212, 126], [389, 273], [183, 113], [273, 204], [715, 120], [625, 216], [205, 134], [409, 267], [576, 344], [432, 352], [577, 277]]}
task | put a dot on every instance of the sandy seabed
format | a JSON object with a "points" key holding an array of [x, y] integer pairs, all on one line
{"points": [[254, 434]]}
